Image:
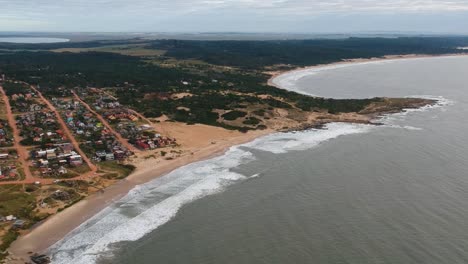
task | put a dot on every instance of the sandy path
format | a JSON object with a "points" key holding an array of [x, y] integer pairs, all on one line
{"points": [[67, 131], [119, 137], [22, 151]]}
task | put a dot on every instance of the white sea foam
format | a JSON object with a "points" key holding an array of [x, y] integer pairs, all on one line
{"points": [[441, 104], [147, 207], [150, 205], [285, 142]]}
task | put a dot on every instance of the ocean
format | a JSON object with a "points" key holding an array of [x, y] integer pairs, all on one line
{"points": [[32, 40], [349, 193]]}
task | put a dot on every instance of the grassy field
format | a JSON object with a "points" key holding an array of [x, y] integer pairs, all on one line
{"points": [[129, 50], [115, 170]]}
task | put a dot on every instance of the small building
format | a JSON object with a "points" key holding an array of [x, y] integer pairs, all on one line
{"points": [[76, 160], [43, 163], [19, 223], [10, 218], [110, 156], [62, 170], [119, 154]]}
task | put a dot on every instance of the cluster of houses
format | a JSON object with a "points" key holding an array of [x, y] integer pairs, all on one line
{"points": [[25, 103], [54, 160], [6, 139], [8, 171], [125, 122], [100, 141], [106, 102], [17, 223], [119, 115], [146, 143], [40, 128]]}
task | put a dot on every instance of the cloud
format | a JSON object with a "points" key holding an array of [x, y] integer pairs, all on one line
{"points": [[131, 14]]}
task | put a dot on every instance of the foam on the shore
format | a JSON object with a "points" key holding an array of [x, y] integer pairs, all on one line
{"points": [[149, 206], [441, 103], [302, 140]]}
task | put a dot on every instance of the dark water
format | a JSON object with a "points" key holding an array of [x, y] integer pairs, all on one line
{"points": [[392, 194]]}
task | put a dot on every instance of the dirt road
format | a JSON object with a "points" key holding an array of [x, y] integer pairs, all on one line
{"points": [[21, 150], [67, 131], [119, 137]]}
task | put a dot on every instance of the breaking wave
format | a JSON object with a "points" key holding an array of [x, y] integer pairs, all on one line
{"points": [[149, 206]]}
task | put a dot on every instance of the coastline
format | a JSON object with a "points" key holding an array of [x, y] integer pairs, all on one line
{"points": [[58, 226], [276, 74]]}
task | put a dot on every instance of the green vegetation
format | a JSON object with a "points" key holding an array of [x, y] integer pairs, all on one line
{"points": [[13, 201], [233, 115], [219, 83], [251, 121], [7, 239], [116, 170], [15, 88], [220, 76], [258, 54]]}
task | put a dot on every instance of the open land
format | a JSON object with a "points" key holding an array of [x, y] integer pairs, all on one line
{"points": [[80, 135]]}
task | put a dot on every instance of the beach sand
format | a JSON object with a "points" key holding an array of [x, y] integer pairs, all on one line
{"points": [[198, 142], [275, 74]]}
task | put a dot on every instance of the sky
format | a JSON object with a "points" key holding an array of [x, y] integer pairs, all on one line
{"points": [[285, 16]]}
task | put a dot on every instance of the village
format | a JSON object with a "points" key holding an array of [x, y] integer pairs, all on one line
{"points": [[56, 149]]}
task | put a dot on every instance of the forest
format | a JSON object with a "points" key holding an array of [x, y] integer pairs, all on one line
{"points": [[227, 75]]}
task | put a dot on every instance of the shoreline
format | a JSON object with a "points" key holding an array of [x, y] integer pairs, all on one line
{"points": [[55, 228], [388, 58]]}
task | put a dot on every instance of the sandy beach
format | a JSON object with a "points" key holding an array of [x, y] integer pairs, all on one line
{"points": [[275, 74], [197, 142]]}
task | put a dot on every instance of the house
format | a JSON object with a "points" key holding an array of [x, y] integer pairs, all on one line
{"points": [[110, 156], [119, 154], [51, 155], [145, 127], [10, 218], [62, 170], [35, 108], [142, 145], [101, 155], [43, 163], [19, 223], [41, 154], [76, 160]]}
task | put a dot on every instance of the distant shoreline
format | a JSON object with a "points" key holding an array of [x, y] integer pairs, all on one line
{"points": [[357, 61], [58, 226], [32, 40]]}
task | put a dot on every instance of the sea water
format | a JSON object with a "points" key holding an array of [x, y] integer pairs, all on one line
{"points": [[32, 40], [349, 193]]}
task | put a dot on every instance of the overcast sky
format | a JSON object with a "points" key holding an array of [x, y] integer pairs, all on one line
{"points": [[306, 16]]}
